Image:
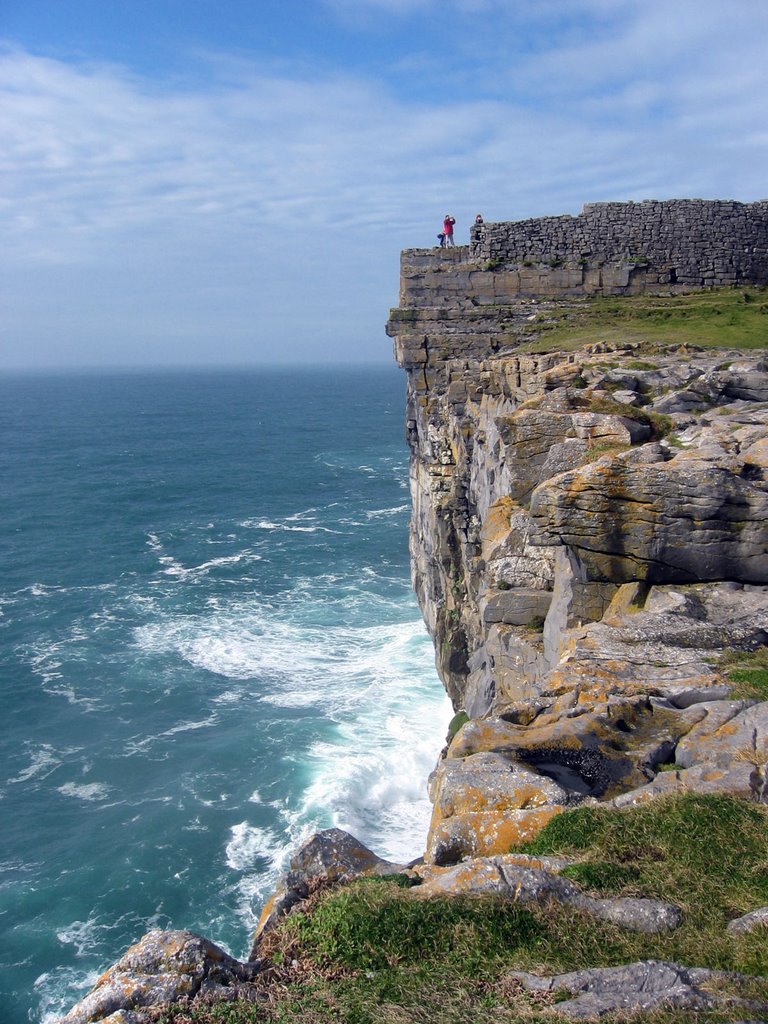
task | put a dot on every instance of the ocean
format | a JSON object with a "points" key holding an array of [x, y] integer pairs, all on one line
{"points": [[209, 649]]}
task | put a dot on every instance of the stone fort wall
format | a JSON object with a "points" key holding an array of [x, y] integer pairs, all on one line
{"points": [[609, 248], [701, 240]]}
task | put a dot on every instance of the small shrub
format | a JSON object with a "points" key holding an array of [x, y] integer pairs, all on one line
{"points": [[604, 448], [673, 441]]}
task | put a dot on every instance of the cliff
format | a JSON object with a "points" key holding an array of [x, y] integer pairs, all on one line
{"points": [[589, 544], [589, 527]]}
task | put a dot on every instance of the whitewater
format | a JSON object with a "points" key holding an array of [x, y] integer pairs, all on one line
{"points": [[209, 649]]}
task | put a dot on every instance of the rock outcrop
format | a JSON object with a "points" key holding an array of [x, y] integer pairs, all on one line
{"points": [[328, 857], [163, 967]]}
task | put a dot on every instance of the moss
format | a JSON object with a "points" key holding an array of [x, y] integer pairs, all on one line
{"points": [[459, 719]]}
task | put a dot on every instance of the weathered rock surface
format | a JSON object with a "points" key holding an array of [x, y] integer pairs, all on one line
{"points": [[581, 563], [163, 967], [507, 877], [751, 922], [667, 522], [640, 988]]}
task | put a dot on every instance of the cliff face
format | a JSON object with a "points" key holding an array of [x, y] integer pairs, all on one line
{"points": [[589, 528]]}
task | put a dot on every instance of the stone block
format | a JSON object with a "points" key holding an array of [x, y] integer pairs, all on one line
{"points": [[515, 607]]}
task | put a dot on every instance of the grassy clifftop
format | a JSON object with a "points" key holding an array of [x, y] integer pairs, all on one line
{"points": [[721, 318], [369, 952]]}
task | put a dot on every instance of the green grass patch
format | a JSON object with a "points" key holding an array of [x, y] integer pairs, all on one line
{"points": [[641, 364], [706, 853], [748, 672], [362, 927], [720, 318]]}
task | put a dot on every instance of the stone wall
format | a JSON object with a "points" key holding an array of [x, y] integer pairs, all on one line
{"points": [[610, 248]]}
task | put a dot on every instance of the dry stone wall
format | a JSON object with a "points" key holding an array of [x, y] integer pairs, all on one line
{"points": [[703, 241]]}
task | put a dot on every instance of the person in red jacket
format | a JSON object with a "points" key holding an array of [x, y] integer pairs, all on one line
{"points": [[448, 228]]}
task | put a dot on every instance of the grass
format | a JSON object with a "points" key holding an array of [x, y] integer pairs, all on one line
{"points": [[604, 448], [369, 952], [720, 318], [748, 672]]}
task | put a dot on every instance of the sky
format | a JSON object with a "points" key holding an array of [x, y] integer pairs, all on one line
{"points": [[230, 182]]}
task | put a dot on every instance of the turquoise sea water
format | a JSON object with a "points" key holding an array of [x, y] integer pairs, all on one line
{"points": [[209, 648]]}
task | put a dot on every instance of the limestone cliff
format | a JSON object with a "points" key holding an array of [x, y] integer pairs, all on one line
{"points": [[589, 529]]}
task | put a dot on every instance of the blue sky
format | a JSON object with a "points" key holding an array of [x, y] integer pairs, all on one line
{"points": [[199, 182]]}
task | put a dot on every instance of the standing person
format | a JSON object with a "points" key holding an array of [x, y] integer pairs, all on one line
{"points": [[448, 228]]}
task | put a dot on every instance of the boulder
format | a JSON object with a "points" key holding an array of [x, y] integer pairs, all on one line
{"points": [[483, 833], [754, 921], [163, 967], [332, 855], [489, 782]]}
